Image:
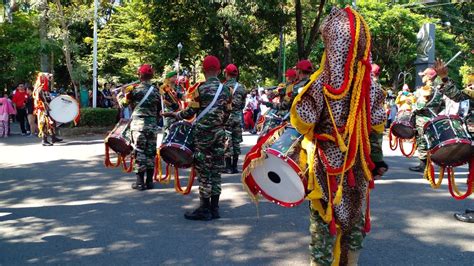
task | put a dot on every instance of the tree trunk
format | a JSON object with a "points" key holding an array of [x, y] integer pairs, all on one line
{"points": [[227, 37], [299, 29], [67, 47], [314, 32], [43, 34]]}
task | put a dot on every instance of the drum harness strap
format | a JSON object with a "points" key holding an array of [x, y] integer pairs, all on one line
{"points": [[136, 107]]}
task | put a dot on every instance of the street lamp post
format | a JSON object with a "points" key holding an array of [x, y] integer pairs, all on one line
{"points": [[180, 46], [94, 67]]}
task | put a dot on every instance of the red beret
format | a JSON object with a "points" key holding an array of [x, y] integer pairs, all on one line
{"points": [[211, 63], [375, 70], [145, 69], [290, 73], [231, 69], [305, 65]]}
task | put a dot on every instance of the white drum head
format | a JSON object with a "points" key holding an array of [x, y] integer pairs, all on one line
{"points": [[279, 182], [64, 109]]}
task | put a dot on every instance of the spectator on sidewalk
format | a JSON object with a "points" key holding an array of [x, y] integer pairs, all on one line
{"points": [[19, 100], [30, 108], [6, 109]]}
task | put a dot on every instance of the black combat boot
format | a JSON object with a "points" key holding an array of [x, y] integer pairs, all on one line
{"points": [[228, 165], [202, 213], [215, 207], [45, 141], [139, 184], [149, 178], [235, 160], [420, 167]]}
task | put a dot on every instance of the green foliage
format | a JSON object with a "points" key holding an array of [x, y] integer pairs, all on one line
{"points": [[19, 49], [101, 117]]}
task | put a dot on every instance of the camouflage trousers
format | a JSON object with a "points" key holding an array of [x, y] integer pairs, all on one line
{"points": [[144, 142], [322, 242], [421, 144], [208, 160], [233, 137]]}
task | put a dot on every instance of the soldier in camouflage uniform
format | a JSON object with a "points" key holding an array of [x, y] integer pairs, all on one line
{"points": [[429, 102], [143, 127], [171, 99], [233, 126], [449, 89], [304, 68], [208, 136]]}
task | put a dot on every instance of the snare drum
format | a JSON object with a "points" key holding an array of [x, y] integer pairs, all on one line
{"points": [[177, 148], [64, 109], [402, 127], [448, 141], [280, 178], [120, 138]]}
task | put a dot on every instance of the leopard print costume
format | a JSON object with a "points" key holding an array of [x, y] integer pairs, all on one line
{"points": [[312, 108]]}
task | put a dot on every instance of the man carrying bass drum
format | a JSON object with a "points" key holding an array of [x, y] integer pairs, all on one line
{"points": [[208, 135], [42, 98], [448, 88], [146, 101]]}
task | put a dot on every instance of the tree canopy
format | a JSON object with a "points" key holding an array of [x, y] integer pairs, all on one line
{"points": [[247, 33]]}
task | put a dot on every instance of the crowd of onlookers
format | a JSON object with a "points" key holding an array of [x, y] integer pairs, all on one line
{"points": [[19, 106]]}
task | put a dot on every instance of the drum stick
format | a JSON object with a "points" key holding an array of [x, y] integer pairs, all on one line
{"points": [[124, 86], [162, 104], [454, 57]]}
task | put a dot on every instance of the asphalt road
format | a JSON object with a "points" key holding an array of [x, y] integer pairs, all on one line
{"points": [[59, 205]]}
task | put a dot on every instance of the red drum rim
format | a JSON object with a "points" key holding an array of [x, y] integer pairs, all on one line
{"points": [[179, 146], [440, 117], [256, 188], [449, 142]]}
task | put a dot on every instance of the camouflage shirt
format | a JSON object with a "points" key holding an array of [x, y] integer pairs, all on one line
{"points": [[290, 93], [201, 97], [452, 92], [151, 106], [238, 97]]}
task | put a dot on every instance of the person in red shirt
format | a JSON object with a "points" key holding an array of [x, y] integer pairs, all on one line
{"points": [[19, 100]]}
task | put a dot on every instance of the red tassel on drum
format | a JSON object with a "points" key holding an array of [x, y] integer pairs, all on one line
{"points": [[350, 178]]}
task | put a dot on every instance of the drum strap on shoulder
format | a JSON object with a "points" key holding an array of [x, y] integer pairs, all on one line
{"points": [[208, 108], [143, 99], [235, 88]]}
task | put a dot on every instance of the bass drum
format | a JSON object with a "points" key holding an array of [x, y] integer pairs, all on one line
{"points": [[119, 139], [176, 148], [280, 178], [449, 143], [64, 109], [402, 127]]}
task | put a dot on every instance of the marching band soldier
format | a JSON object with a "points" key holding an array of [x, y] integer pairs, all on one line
{"points": [[233, 126], [208, 135], [429, 102], [171, 99], [304, 68], [144, 127]]}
